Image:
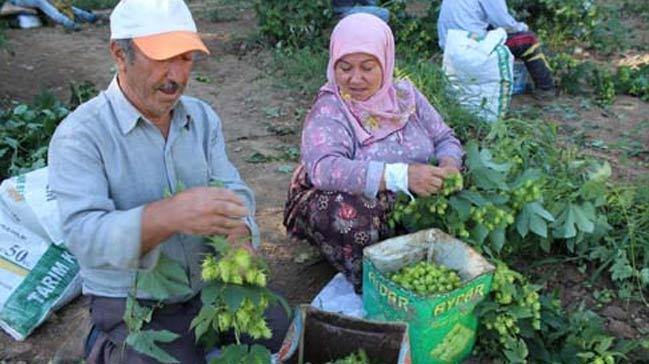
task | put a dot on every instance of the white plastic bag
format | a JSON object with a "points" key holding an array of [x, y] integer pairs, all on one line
{"points": [[480, 71], [36, 276], [338, 296], [30, 202]]}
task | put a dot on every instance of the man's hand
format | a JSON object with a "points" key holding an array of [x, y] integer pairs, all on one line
{"points": [[209, 211], [241, 238]]}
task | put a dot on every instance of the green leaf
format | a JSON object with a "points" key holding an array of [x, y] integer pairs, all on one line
{"points": [[487, 160], [12, 142], [516, 351], [539, 226], [258, 157], [538, 209], [523, 221], [135, 315], [201, 323], [496, 198], [530, 174], [473, 197], [565, 223], [203, 79], [209, 294], [234, 294], [180, 186], [486, 174], [462, 206], [644, 276], [219, 243], [146, 341], [533, 217], [259, 355], [604, 344], [479, 233], [285, 169], [216, 183], [242, 354], [602, 173], [585, 217], [497, 237], [167, 279], [621, 268], [200, 327], [20, 109]]}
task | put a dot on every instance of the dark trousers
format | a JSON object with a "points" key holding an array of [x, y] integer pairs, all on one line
{"points": [[526, 46], [106, 342]]}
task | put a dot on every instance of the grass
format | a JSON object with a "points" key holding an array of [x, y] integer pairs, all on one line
{"points": [[303, 70]]}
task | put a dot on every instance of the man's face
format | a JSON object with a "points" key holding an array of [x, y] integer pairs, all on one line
{"points": [[153, 86]]}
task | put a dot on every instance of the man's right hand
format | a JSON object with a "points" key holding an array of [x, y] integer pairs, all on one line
{"points": [[208, 211]]}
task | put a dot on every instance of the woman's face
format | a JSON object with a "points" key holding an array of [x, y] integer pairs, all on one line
{"points": [[358, 75]]}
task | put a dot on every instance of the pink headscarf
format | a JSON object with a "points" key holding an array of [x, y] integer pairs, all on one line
{"points": [[391, 106]]}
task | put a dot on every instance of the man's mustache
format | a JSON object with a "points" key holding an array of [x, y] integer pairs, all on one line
{"points": [[170, 86]]}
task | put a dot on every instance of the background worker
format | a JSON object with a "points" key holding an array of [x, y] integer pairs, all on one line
{"points": [[478, 16]]}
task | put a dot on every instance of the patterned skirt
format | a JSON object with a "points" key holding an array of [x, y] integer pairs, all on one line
{"points": [[337, 223]]}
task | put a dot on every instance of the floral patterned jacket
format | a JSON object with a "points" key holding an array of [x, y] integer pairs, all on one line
{"points": [[338, 154]]}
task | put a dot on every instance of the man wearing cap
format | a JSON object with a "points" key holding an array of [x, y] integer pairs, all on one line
{"points": [[113, 159]]}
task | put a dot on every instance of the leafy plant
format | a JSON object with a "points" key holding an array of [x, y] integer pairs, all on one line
{"points": [[359, 357], [295, 24], [25, 131], [81, 92], [633, 81], [575, 337], [415, 34], [166, 279], [235, 297], [559, 21], [512, 314], [584, 77], [243, 354]]}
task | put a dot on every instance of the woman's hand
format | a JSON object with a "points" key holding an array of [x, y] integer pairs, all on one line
{"points": [[449, 165], [425, 180]]}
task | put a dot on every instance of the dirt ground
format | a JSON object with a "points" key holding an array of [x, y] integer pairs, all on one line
{"points": [[236, 82]]}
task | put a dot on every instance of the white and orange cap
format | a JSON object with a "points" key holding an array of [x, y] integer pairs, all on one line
{"points": [[161, 29]]}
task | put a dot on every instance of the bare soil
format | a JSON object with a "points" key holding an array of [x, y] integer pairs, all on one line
{"points": [[236, 82]]}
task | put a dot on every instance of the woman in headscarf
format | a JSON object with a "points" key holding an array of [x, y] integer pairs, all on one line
{"points": [[365, 138]]}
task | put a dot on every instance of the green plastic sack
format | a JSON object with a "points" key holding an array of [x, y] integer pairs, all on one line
{"points": [[442, 327]]}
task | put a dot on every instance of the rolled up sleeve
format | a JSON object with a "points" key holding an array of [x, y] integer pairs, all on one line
{"points": [[98, 234], [222, 170]]}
